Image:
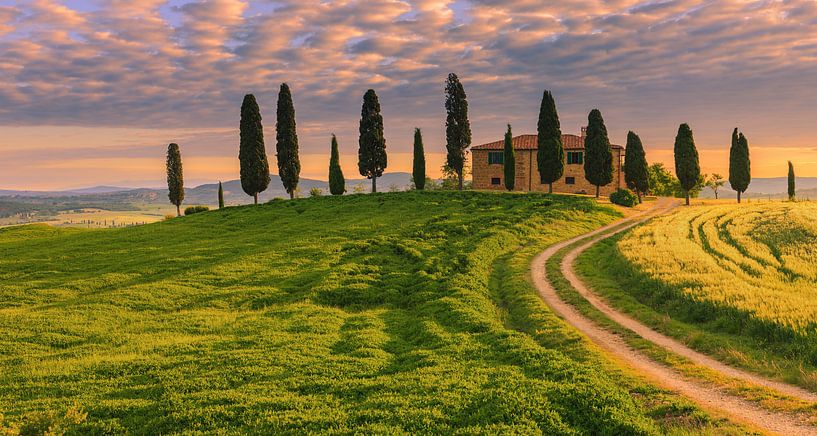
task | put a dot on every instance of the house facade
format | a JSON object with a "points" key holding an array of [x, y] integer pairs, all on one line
{"points": [[488, 167]]}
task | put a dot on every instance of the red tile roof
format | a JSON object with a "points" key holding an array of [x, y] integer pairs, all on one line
{"points": [[529, 142]]}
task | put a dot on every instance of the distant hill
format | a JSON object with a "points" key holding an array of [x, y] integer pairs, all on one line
{"points": [[233, 194], [98, 190], [763, 187], [119, 198]]}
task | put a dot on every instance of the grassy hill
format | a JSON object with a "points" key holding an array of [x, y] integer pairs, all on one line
{"points": [[402, 312]]}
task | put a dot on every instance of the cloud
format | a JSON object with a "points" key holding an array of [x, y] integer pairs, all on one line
{"points": [[648, 65]]}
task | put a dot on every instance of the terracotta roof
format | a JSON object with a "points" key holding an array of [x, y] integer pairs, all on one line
{"points": [[529, 142]]}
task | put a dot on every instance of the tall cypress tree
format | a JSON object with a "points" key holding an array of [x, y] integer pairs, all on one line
{"points": [[792, 189], [252, 154], [419, 170], [372, 145], [510, 161], [687, 167], [636, 174], [739, 165], [598, 160], [550, 155], [289, 166], [220, 195], [175, 180], [457, 126], [337, 184]]}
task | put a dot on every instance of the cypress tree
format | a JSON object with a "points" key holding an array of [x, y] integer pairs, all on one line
{"points": [[791, 182], [252, 154], [510, 161], [175, 180], [419, 170], [636, 174], [337, 184], [372, 145], [598, 160], [687, 168], [550, 155], [220, 196], [289, 166], [739, 169], [457, 126]]}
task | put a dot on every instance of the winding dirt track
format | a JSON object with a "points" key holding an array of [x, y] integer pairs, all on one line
{"points": [[708, 397]]}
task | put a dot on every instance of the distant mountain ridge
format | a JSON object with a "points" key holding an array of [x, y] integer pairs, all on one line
{"points": [[763, 187], [208, 193], [233, 194]]}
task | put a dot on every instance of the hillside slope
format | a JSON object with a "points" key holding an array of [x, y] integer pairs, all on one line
{"points": [[404, 312]]}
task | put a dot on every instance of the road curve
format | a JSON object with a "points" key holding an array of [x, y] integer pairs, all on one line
{"points": [[708, 397]]}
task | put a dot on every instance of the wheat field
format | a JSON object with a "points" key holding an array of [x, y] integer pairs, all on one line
{"points": [[751, 267]]}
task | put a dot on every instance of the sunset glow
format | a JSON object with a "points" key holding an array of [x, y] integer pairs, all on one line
{"points": [[92, 91]]}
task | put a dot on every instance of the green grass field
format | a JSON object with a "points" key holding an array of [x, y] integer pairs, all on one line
{"points": [[389, 313], [734, 281]]}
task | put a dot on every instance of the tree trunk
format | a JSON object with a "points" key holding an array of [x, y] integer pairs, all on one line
{"points": [[597, 191], [178, 210], [459, 178], [687, 192], [292, 194], [738, 197], [638, 193], [550, 188], [255, 197], [374, 184], [716, 195]]}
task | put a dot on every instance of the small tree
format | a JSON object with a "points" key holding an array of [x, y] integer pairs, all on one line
{"points": [[792, 191], [714, 182], [220, 196], [252, 154], [687, 167], [337, 184], [289, 165], [739, 164], [418, 174], [550, 155], [598, 161], [636, 175], [175, 180], [510, 161], [662, 181], [457, 126], [372, 152]]}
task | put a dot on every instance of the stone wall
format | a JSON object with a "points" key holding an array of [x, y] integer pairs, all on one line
{"points": [[527, 174]]}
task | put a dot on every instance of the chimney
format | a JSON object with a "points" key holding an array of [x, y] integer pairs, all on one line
{"points": [[584, 131]]}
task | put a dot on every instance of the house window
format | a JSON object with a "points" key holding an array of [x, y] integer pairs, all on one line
{"points": [[496, 157], [570, 180], [575, 157], [495, 181]]}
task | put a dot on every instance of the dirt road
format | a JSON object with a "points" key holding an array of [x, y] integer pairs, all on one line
{"points": [[708, 397]]}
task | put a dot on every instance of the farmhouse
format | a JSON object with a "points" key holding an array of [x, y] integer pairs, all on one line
{"points": [[488, 166]]}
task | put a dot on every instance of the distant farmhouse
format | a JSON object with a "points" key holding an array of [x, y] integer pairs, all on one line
{"points": [[488, 166]]}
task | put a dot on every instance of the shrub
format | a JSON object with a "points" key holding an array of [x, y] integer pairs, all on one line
{"points": [[169, 216], [623, 197], [315, 192], [195, 209]]}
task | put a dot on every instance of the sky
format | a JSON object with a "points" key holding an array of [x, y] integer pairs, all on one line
{"points": [[92, 91]]}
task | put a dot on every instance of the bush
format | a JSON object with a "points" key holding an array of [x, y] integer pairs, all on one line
{"points": [[195, 209], [169, 216], [315, 192], [623, 197]]}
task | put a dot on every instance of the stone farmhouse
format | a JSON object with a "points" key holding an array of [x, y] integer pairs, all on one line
{"points": [[488, 166]]}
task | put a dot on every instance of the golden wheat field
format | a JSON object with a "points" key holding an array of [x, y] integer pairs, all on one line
{"points": [[751, 267]]}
